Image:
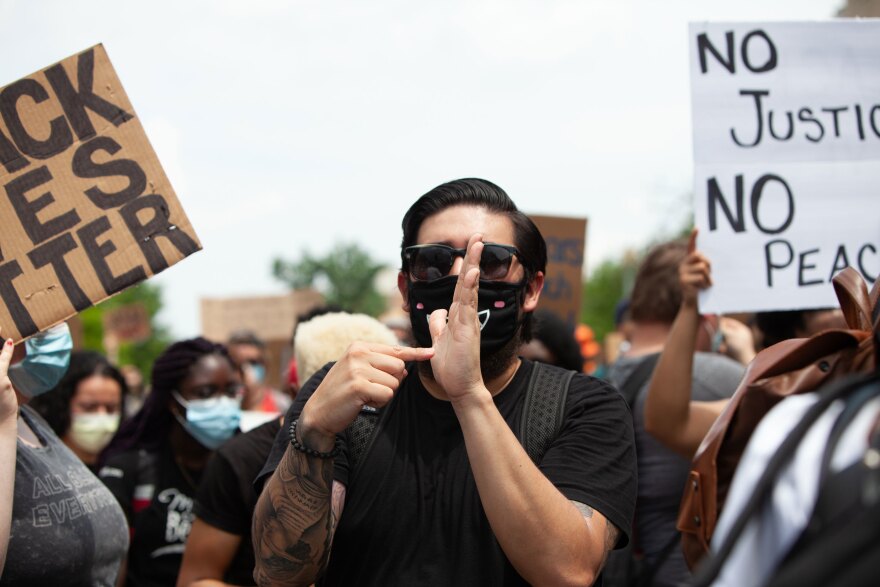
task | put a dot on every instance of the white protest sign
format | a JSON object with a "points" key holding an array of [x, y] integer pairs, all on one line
{"points": [[786, 159]]}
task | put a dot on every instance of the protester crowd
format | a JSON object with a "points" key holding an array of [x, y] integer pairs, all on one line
{"points": [[470, 449]]}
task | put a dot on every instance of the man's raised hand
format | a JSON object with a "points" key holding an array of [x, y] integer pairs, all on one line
{"points": [[456, 334]]}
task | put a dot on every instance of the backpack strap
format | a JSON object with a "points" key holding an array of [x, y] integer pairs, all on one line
{"points": [[544, 408], [637, 379], [541, 420], [361, 433]]}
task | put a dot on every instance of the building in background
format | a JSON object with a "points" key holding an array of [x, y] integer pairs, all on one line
{"points": [[271, 318]]}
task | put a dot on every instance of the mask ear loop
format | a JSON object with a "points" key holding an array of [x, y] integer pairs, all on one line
{"points": [[181, 403]]}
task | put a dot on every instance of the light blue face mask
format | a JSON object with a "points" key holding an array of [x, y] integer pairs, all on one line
{"points": [[48, 355], [211, 421], [259, 372]]}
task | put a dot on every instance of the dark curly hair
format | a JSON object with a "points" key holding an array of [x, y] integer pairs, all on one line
{"points": [[149, 428], [54, 406]]}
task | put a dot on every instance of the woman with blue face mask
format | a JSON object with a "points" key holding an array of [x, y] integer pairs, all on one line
{"points": [[154, 463], [59, 525]]}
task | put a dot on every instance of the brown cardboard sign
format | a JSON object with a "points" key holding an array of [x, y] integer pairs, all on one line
{"points": [[85, 207], [566, 238], [128, 323]]}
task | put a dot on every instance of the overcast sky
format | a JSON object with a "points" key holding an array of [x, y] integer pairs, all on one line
{"points": [[292, 125]]}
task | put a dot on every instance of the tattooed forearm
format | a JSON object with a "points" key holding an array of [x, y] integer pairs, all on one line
{"points": [[293, 522]]}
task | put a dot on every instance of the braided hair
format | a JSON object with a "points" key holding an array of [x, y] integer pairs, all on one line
{"points": [[151, 426]]}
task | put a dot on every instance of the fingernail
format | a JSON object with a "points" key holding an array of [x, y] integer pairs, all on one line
{"points": [[8, 342]]}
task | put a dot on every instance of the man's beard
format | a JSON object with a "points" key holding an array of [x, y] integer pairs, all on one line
{"points": [[492, 365]]}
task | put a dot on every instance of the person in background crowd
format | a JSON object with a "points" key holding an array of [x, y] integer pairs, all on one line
{"points": [[553, 342], [326, 337], [655, 301], [137, 390], [219, 547], [671, 415], [86, 407], [59, 525], [248, 353], [773, 327], [446, 494], [294, 379], [155, 462]]}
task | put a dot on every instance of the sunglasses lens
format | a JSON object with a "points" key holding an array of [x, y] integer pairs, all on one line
{"points": [[429, 263], [495, 262]]}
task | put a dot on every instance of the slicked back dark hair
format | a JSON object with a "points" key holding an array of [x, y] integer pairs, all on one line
{"points": [[55, 405], [483, 194], [151, 426]]}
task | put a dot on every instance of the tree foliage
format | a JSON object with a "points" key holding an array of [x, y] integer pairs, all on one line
{"points": [[602, 291], [345, 276], [140, 354], [613, 280]]}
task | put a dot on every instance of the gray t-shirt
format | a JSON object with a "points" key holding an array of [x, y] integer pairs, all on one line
{"points": [[67, 528], [662, 472]]}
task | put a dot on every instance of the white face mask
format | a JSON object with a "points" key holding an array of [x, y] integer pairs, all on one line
{"points": [[92, 432]]}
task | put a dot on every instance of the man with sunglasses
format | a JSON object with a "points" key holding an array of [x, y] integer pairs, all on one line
{"points": [[444, 493]]}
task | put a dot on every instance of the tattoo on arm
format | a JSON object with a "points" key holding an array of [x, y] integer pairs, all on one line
{"points": [[611, 534], [584, 509], [611, 531], [294, 520]]}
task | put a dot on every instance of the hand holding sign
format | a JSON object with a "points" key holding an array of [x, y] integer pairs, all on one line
{"points": [[694, 273], [8, 401]]}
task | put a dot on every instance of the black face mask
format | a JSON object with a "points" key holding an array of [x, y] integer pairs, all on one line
{"points": [[498, 305]]}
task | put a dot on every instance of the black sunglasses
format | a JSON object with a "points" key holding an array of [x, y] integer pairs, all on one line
{"points": [[430, 262]]}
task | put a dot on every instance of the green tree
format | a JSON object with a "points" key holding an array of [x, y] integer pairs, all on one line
{"points": [[140, 354], [605, 287], [345, 276]]}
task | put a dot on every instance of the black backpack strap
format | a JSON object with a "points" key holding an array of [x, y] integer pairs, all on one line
{"points": [[361, 433], [843, 494], [543, 409], [629, 389]]}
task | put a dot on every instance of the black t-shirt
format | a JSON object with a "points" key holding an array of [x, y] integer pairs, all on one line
{"points": [[226, 498], [157, 498], [67, 530], [413, 515]]}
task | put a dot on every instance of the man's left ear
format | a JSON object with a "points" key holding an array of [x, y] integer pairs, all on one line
{"points": [[533, 292]]}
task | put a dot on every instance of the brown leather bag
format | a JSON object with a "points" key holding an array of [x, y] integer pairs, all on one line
{"points": [[790, 367]]}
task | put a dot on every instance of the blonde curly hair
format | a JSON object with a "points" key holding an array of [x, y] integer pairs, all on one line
{"points": [[325, 338]]}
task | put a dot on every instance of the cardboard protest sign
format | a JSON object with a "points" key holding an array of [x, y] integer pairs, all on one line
{"points": [[128, 323], [85, 207], [268, 317], [786, 150], [563, 282]]}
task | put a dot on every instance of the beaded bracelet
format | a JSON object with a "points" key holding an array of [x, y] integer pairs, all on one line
{"points": [[296, 444]]}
